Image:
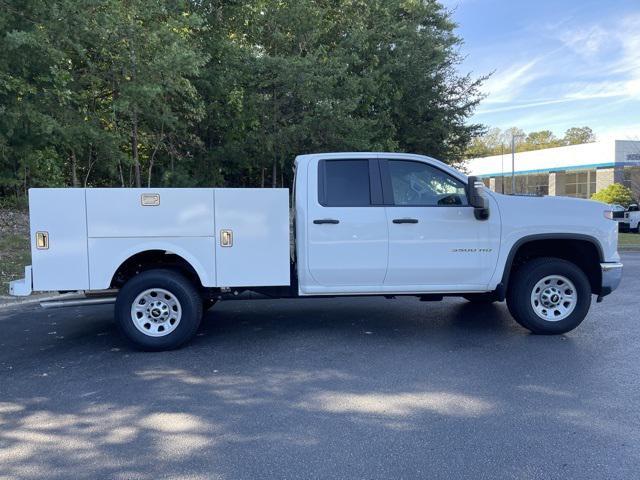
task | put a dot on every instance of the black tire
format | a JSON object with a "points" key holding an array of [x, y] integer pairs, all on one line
{"points": [[521, 287], [481, 298], [181, 288]]}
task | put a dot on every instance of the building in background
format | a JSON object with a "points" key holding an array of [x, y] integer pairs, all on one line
{"points": [[573, 171]]}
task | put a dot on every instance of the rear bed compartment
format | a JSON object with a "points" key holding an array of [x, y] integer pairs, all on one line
{"points": [[90, 232]]}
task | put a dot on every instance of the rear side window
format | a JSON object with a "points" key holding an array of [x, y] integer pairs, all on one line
{"points": [[344, 183]]}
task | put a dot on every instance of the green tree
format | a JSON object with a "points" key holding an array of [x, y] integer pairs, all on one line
{"points": [[615, 193], [122, 93], [92, 88], [148, 58], [578, 135], [495, 141], [28, 156], [539, 140], [301, 76]]}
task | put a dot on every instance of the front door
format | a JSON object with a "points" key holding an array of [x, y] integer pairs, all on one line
{"points": [[434, 239], [347, 228]]}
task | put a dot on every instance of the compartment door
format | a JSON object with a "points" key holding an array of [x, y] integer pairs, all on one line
{"points": [[61, 214], [252, 236]]}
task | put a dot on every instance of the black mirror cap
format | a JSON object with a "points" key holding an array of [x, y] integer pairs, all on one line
{"points": [[476, 199], [474, 186], [481, 213]]}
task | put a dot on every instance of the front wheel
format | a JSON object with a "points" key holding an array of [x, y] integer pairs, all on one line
{"points": [[549, 296], [158, 310]]}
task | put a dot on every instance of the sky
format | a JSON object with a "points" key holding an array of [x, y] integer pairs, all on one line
{"points": [[554, 64]]}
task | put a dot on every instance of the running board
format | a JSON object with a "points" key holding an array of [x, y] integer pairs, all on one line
{"points": [[104, 298]]}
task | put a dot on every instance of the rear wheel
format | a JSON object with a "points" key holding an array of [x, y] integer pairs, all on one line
{"points": [[549, 296], [158, 310]]}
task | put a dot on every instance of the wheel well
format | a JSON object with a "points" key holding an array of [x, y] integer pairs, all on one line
{"points": [[583, 253], [149, 260]]}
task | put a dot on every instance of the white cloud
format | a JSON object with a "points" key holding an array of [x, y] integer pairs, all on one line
{"points": [[604, 61], [621, 72], [504, 85], [629, 38], [519, 106], [586, 42], [628, 132], [605, 89]]}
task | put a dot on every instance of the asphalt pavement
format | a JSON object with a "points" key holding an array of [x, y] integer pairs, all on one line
{"points": [[329, 388]]}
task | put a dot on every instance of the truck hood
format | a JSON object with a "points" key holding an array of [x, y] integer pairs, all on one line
{"points": [[551, 204]]}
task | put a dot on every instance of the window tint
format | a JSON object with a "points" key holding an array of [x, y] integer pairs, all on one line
{"points": [[346, 183], [416, 183]]}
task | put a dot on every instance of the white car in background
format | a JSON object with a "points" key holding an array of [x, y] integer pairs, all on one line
{"points": [[628, 219]]}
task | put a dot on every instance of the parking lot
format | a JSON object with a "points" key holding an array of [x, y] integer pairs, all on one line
{"points": [[332, 388]]}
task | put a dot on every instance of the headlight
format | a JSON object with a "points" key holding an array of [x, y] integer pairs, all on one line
{"points": [[608, 214]]}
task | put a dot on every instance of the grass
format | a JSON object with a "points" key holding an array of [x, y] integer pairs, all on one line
{"points": [[15, 253], [629, 239]]}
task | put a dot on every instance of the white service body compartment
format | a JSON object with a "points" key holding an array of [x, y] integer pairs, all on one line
{"points": [[119, 212], [259, 223], [61, 214], [93, 231]]}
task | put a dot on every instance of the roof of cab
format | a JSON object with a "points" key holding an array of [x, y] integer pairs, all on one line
{"points": [[388, 155]]}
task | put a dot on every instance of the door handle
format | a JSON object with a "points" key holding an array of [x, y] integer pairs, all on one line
{"points": [[326, 220], [405, 220]]}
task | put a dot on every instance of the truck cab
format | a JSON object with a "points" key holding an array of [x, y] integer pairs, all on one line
{"points": [[389, 224], [361, 224]]}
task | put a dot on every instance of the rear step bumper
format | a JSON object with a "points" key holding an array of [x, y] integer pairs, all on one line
{"points": [[22, 287]]}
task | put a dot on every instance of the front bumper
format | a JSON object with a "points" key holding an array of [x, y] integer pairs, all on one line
{"points": [[611, 276]]}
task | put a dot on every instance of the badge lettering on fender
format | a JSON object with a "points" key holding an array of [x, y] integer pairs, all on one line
{"points": [[471, 250]]}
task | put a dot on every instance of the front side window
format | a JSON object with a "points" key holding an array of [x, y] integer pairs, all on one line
{"points": [[419, 184], [344, 183]]}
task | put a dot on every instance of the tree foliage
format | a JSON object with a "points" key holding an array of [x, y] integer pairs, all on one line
{"points": [[495, 141], [615, 193], [177, 93], [578, 135]]}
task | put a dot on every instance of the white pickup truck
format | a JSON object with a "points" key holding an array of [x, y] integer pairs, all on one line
{"points": [[628, 219], [363, 224]]}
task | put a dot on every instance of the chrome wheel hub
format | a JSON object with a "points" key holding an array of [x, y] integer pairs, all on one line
{"points": [[554, 298], [156, 312]]}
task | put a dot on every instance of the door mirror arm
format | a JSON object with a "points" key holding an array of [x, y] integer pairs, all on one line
{"points": [[478, 201]]}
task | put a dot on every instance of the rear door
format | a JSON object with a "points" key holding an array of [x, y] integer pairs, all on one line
{"points": [[346, 223], [435, 241]]}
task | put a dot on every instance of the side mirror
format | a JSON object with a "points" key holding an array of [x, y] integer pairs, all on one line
{"points": [[479, 203]]}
